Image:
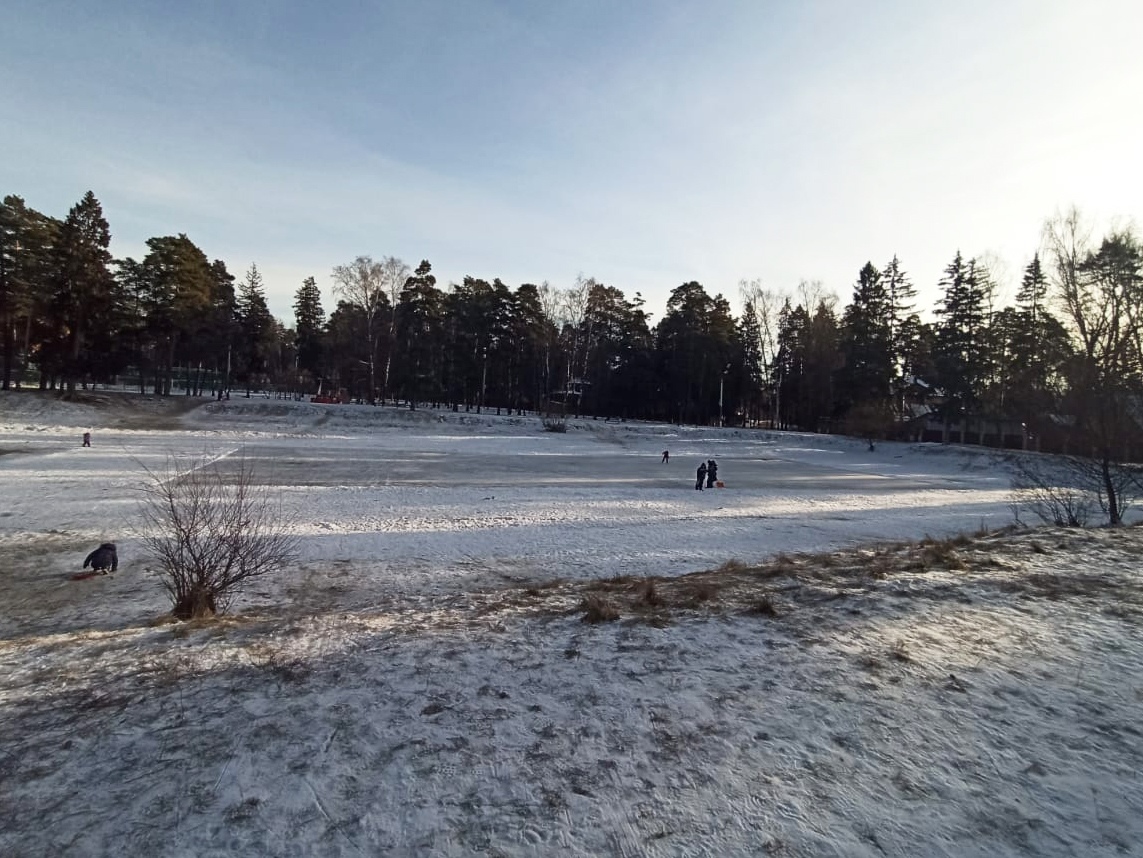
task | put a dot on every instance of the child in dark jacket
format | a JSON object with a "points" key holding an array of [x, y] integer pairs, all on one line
{"points": [[103, 559], [700, 476]]}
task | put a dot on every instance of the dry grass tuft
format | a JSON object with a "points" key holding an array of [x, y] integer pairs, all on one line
{"points": [[880, 565], [538, 589], [692, 594], [647, 594], [942, 553], [781, 566], [763, 607], [598, 609]]}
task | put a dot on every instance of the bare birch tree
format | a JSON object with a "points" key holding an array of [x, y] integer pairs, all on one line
{"points": [[394, 275], [1101, 291], [766, 305], [361, 284]]}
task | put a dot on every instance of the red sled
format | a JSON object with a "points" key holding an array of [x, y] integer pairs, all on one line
{"points": [[79, 576]]}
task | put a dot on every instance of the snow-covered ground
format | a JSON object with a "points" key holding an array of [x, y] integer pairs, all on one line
{"points": [[422, 682]]}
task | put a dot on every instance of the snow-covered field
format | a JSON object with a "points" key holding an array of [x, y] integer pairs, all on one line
{"points": [[423, 684]]}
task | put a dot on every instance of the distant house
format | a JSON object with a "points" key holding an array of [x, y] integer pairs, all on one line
{"points": [[922, 419]]}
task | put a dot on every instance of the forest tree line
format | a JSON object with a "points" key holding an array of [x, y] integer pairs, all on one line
{"points": [[1071, 343]]}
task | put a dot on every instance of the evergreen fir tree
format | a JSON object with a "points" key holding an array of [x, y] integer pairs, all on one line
{"points": [[961, 347], [309, 324], [84, 294], [255, 327], [866, 342], [419, 336], [903, 325]]}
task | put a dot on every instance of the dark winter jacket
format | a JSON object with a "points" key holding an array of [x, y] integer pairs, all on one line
{"points": [[104, 557]]}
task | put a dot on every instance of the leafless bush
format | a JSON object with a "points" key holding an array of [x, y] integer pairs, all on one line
{"points": [[1117, 485], [1055, 490], [555, 424], [211, 531]]}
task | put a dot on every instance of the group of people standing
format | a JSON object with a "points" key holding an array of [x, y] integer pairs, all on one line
{"points": [[708, 472]]}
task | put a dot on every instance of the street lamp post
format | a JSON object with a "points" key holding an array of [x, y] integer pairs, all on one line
{"points": [[721, 382], [483, 379]]}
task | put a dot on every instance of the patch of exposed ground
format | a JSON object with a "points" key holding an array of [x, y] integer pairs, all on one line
{"points": [[1015, 563]]}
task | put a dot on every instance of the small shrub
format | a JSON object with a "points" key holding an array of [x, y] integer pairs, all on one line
{"points": [[555, 424], [211, 533], [598, 609], [648, 594], [941, 553], [1055, 490], [763, 607], [880, 565]]}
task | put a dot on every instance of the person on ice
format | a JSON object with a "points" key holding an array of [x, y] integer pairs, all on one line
{"points": [[87, 439], [103, 559], [700, 476], [666, 456], [711, 473]]}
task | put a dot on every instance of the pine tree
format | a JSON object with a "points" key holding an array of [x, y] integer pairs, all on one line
{"points": [[903, 325], [255, 327], [753, 372], [223, 324], [309, 323], [84, 293], [789, 366], [177, 289], [419, 336], [962, 357], [27, 240], [696, 342], [867, 342], [1036, 346]]}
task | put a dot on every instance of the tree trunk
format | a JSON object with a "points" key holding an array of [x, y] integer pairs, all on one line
{"points": [[195, 605], [1114, 517], [9, 349]]}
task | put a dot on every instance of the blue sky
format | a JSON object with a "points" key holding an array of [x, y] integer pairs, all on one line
{"points": [[643, 143]]}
